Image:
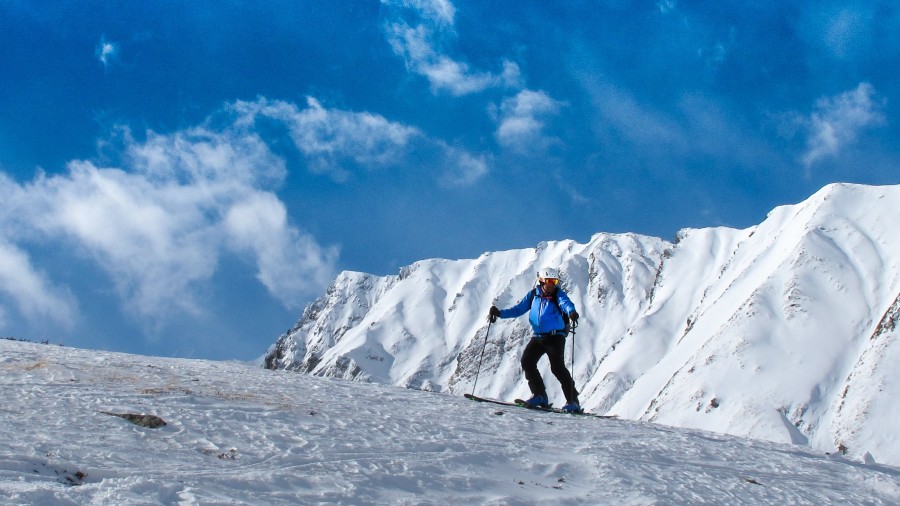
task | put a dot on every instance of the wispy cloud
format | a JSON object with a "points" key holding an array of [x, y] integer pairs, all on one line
{"points": [[333, 141], [666, 6], [641, 133], [837, 122], [421, 45], [844, 30], [106, 52], [462, 169], [620, 115], [521, 118], [33, 295], [437, 11], [719, 52]]}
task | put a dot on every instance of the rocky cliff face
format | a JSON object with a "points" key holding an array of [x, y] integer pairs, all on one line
{"points": [[784, 331]]}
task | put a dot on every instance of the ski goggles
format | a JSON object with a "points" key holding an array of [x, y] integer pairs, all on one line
{"points": [[550, 281]]}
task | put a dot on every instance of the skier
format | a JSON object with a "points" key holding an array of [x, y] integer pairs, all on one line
{"points": [[548, 305]]}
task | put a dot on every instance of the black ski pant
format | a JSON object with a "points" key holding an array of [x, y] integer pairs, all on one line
{"points": [[554, 347]]}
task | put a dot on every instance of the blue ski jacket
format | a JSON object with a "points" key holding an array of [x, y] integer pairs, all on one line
{"points": [[543, 315]]}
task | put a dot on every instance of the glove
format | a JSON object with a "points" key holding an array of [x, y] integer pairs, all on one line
{"points": [[494, 313], [574, 316]]}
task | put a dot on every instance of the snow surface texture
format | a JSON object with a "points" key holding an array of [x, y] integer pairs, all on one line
{"points": [[786, 331], [237, 434]]}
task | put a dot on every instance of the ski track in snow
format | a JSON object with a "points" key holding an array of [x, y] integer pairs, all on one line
{"points": [[238, 434]]}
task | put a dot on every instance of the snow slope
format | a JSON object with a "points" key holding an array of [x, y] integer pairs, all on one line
{"points": [[785, 331], [238, 434]]}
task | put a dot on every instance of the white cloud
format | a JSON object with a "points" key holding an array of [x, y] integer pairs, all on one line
{"points": [[446, 74], [333, 139], [666, 6], [420, 47], [719, 52], [512, 75], [521, 120], [437, 11], [160, 222], [29, 290], [290, 264], [201, 156], [620, 116], [843, 30], [106, 52], [159, 225], [464, 169], [837, 122]]}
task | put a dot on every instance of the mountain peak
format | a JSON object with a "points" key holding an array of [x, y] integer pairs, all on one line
{"points": [[767, 332]]}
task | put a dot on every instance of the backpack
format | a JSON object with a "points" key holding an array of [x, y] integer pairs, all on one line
{"points": [[555, 299]]}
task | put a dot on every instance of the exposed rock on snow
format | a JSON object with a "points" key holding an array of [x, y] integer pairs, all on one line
{"points": [[149, 421]]}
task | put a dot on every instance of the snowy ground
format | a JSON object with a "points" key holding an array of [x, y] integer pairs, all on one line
{"points": [[237, 434]]}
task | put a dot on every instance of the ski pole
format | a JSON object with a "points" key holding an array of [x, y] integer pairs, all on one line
{"points": [[573, 389], [478, 371]]}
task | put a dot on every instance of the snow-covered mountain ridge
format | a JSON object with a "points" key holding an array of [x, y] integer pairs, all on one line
{"points": [[785, 331]]}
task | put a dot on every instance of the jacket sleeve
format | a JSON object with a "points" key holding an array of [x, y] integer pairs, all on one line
{"points": [[519, 309], [565, 303]]}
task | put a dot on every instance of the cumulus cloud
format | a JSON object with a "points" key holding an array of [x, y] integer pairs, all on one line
{"points": [[160, 219], [159, 225], [837, 122], [521, 120], [420, 45]]}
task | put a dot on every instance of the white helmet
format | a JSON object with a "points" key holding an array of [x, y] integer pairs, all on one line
{"points": [[547, 273]]}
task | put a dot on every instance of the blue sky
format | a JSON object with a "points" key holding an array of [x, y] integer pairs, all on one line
{"points": [[182, 178]]}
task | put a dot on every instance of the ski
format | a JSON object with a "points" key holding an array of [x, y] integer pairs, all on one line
{"points": [[519, 403], [551, 409], [492, 401]]}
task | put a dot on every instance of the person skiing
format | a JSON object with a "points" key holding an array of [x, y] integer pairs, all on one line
{"points": [[547, 305]]}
